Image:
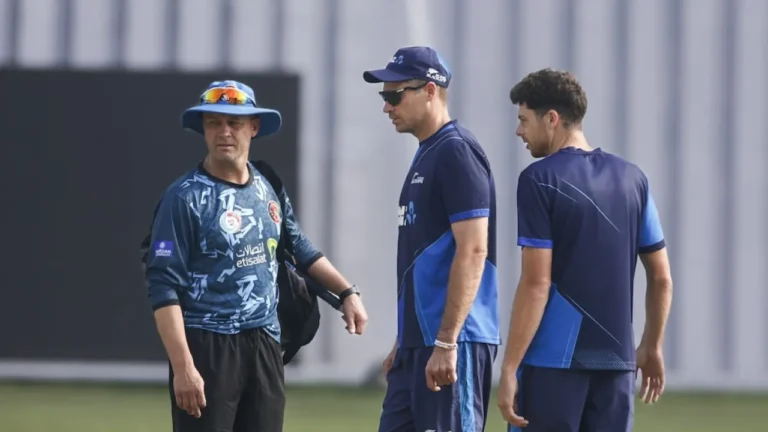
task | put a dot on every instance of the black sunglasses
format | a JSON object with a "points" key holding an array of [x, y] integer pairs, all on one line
{"points": [[394, 97]]}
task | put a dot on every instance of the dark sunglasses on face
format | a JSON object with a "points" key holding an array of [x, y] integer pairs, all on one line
{"points": [[394, 97]]}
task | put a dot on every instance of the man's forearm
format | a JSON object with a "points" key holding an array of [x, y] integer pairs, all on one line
{"points": [[527, 312], [658, 301], [170, 325], [463, 284], [324, 272]]}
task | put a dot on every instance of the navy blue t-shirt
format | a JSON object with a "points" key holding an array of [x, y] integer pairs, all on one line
{"points": [[595, 211], [213, 252], [449, 180]]}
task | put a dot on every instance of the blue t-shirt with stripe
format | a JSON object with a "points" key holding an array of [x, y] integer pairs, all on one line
{"points": [[449, 180], [596, 212]]}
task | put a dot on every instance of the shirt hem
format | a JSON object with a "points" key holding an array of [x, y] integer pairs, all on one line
{"points": [[230, 331], [487, 341], [165, 303], [559, 365]]}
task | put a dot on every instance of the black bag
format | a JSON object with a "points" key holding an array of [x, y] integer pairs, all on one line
{"points": [[297, 307]]}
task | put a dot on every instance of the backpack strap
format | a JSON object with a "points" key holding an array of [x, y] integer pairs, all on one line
{"points": [[313, 286], [284, 247]]}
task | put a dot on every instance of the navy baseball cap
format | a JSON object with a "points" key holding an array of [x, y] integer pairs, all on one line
{"points": [[232, 98], [409, 63]]}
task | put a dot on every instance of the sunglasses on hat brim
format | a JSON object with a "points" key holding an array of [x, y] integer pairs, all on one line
{"points": [[226, 95]]}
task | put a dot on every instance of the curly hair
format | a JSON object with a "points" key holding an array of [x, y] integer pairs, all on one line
{"points": [[549, 89]]}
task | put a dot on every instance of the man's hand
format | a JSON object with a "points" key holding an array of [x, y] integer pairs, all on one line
{"points": [[507, 400], [188, 387], [389, 361], [441, 368], [354, 314], [187, 382], [650, 361]]}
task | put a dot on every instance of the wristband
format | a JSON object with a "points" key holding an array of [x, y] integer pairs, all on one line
{"points": [[348, 292], [446, 346]]}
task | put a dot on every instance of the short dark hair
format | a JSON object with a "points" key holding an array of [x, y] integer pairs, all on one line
{"points": [[549, 89]]}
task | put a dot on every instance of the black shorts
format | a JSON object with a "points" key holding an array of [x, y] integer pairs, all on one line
{"points": [[244, 383]]}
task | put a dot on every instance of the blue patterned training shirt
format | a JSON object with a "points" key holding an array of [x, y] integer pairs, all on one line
{"points": [[213, 252]]}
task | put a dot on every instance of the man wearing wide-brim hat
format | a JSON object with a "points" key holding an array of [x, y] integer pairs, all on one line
{"points": [[211, 269]]}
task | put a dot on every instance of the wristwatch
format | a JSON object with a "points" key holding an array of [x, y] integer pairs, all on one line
{"points": [[348, 292]]}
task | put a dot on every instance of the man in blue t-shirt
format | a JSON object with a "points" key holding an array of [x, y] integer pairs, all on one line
{"points": [[212, 273], [439, 371], [584, 216]]}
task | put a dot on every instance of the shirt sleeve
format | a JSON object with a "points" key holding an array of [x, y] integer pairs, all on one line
{"points": [[303, 250], [172, 236], [465, 182], [533, 222], [651, 233]]}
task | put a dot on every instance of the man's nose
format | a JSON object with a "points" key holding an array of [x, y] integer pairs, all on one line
{"points": [[388, 108]]}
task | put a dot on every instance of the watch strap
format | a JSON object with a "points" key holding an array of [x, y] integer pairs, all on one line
{"points": [[348, 292]]}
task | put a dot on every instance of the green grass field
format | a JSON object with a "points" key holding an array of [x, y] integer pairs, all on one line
{"points": [[90, 408]]}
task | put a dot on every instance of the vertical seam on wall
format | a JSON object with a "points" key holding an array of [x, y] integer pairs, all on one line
{"points": [[13, 28], [119, 18], [621, 46], [226, 11], [172, 34], [66, 12], [330, 97], [765, 125], [728, 91], [568, 53], [455, 101], [675, 24], [765, 329], [278, 36], [515, 71]]}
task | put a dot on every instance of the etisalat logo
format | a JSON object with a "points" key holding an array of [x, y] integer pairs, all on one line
{"points": [[254, 255]]}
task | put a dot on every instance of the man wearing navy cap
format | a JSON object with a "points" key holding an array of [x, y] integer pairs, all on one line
{"points": [[211, 273], [439, 371]]}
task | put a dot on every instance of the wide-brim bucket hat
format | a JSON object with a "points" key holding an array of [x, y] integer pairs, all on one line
{"points": [[232, 98]]}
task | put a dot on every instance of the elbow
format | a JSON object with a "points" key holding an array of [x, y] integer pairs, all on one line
{"points": [[539, 288], [473, 251], [661, 284], [536, 286], [480, 251]]}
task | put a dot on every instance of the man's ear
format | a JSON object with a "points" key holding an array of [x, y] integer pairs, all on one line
{"points": [[431, 90], [553, 117]]}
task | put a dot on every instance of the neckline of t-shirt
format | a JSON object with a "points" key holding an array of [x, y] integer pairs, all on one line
{"points": [[575, 150], [451, 124], [226, 182]]}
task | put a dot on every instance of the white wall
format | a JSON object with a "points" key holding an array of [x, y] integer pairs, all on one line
{"points": [[676, 85]]}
